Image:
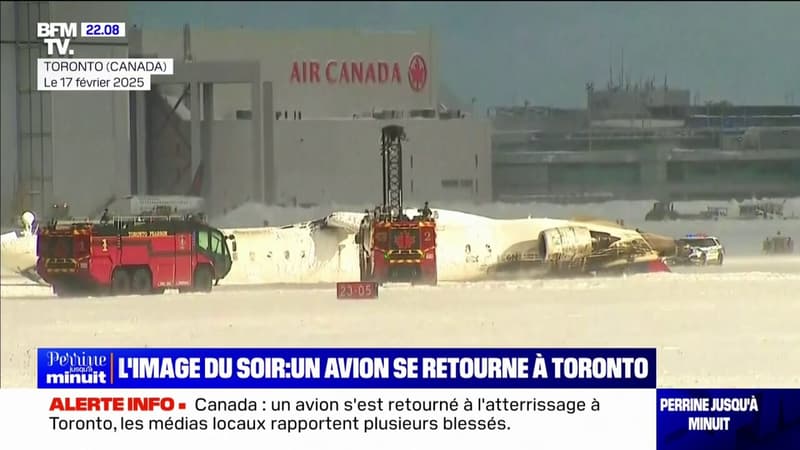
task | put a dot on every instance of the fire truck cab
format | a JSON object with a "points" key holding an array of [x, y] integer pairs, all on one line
{"points": [[398, 249], [136, 255], [392, 246]]}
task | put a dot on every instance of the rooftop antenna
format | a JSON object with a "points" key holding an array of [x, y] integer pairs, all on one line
{"points": [[622, 68], [187, 43], [610, 70], [665, 81]]}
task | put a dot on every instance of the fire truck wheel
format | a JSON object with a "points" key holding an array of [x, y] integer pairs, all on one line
{"points": [[142, 282], [364, 266], [203, 279], [120, 282], [65, 291], [429, 280]]}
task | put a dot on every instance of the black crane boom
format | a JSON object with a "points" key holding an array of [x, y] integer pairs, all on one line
{"points": [[392, 157]]}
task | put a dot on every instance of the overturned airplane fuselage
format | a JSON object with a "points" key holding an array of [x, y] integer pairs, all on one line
{"points": [[469, 248]]}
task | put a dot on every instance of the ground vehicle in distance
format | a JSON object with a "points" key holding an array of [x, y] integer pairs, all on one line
{"points": [[778, 245], [666, 211], [698, 249], [391, 245], [761, 210], [714, 213], [662, 211], [131, 255]]}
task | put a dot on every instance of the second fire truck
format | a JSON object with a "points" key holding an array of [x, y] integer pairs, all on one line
{"points": [[394, 247]]}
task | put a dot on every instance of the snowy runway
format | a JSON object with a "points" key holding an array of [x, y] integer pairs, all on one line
{"points": [[733, 325]]}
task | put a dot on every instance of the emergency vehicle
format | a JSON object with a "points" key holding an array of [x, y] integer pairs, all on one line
{"points": [[132, 255], [393, 246], [778, 245], [699, 249]]}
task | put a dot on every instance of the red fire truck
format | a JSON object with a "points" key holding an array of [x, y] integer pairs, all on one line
{"points": [[393, 246], [400, 250], [135, 255]]}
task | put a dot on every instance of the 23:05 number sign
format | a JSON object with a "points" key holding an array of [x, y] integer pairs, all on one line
{"points": [[357, 290]]}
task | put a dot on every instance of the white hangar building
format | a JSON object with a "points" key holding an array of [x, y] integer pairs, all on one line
{"points": [[288, 117]]}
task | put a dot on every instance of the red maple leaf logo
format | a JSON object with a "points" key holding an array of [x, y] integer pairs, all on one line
{"points": [[417, 72], [404, 241], [61, 249]]}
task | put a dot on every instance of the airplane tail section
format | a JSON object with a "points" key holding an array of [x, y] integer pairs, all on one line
{"points": [[657, 266]]}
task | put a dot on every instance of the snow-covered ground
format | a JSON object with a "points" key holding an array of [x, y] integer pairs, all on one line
{"points": [[734, 325], [727, 326]]}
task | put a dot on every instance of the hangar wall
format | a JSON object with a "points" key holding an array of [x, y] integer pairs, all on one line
{"points": [[326, 154], [168, 156], [62, 146], [8, 112], [91, 145], [75, 146], [231, 157], [322, 161]]}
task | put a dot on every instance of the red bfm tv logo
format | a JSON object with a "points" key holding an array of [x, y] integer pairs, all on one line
{"points": [[361, 72]]}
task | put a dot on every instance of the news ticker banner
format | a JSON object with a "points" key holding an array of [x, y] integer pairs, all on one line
{"points": [[341, 368], [63, 70], [359, 398]]}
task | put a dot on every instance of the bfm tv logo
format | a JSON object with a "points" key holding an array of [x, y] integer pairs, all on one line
{"points": [[77, 368], [361, 72]]}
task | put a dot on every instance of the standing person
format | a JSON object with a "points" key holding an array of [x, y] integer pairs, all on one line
{"points": [[426, 211]]}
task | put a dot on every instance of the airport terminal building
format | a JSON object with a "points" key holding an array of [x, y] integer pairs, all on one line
{"points": [[645, 142], [281, 117]]}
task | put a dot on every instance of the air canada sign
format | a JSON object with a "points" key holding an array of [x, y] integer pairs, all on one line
{"points": [[363, 73]]}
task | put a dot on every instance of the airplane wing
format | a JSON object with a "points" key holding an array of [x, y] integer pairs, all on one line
{"points": [[348, 221]]}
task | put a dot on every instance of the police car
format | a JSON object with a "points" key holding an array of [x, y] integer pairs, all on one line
{"points": [[699, 249]]}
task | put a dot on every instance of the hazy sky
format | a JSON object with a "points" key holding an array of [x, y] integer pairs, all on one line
{"points": [[498, 52]]}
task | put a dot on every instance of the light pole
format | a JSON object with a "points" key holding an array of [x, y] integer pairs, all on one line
{"points": [[589, 91]]}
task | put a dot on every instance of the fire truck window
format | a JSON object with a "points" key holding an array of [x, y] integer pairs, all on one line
{"points": [[202, 239], [216, 243]]}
